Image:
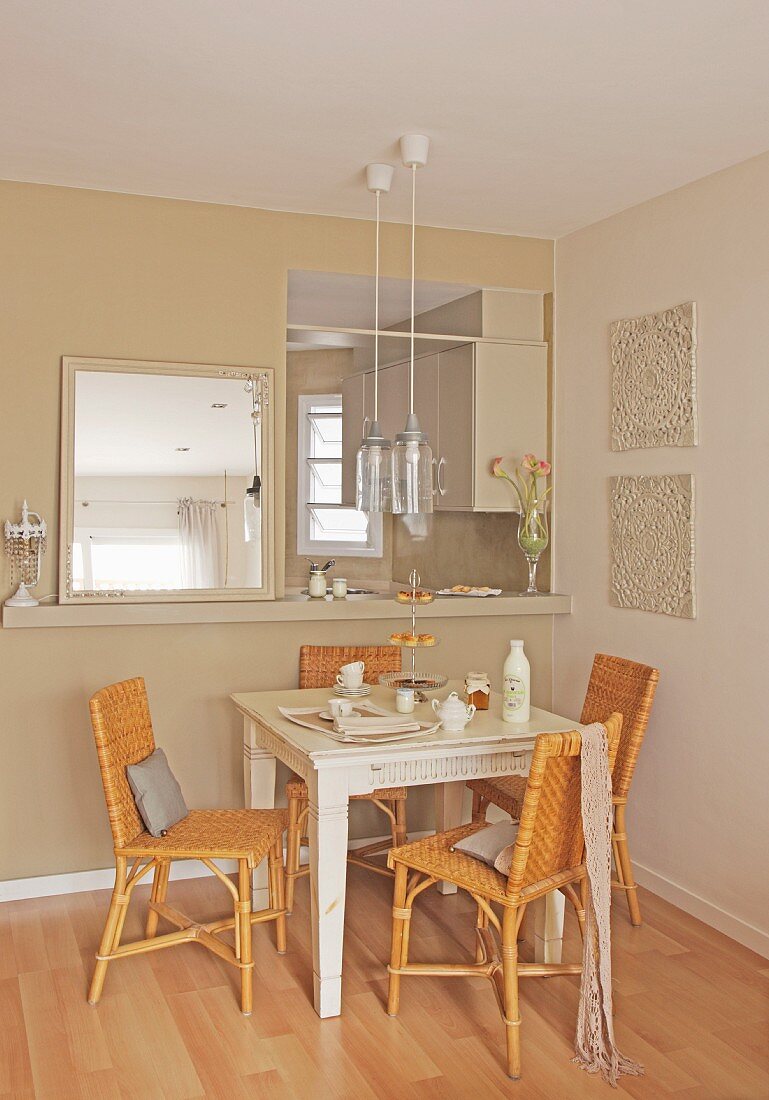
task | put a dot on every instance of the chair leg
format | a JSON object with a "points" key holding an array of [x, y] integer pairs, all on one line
{"points": [[510, 985], [243, 917], [159, 892], [481, 921], [112, 930], [396, 952], [625, 867], [479, 807], [293, 845], [400, 822], [578, 901], [277, 893]]}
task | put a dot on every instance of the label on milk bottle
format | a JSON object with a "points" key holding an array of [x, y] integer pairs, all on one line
{"points": [[514, 694]]}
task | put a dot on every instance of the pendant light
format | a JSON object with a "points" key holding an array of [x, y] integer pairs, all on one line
{"points": [[252, 501], [373, 485], [412, 459]]}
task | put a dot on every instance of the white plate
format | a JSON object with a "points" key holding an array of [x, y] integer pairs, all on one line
{"points": [[329, 717], [352, 693]]}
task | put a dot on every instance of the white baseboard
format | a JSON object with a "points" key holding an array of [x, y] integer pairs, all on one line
{"points": [[77, 882], [734, 927]]}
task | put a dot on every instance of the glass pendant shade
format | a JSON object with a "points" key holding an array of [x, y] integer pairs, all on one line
{"points": [[252, 511], [373, 476], [412, 471]]}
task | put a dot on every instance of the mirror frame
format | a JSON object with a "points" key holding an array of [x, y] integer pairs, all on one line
{"points": [[71, 365]]}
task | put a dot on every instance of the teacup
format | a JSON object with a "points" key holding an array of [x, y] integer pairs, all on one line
{"points": [[340, 708], [351, 676]]}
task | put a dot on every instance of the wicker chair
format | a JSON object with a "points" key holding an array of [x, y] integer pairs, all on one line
{"points": [[318, 667], [615, 684], [122, 728], [548, 855]]}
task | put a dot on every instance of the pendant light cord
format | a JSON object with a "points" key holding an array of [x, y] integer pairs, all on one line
{"points": [[413, 277], [376, 317]]}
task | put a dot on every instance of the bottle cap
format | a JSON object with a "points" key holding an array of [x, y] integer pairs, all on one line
{"points": [[516, 641]]}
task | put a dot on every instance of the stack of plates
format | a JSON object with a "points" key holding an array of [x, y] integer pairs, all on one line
{"points": [[352, 693]]}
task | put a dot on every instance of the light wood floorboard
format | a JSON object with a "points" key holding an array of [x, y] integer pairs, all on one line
{"points": [[692, 1005]]}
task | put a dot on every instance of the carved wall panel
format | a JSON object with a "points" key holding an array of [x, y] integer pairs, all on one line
{"points": [[652, 543], [654, 399]]}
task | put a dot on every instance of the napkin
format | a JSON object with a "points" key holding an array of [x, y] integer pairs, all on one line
{"points": [[375, 725]]}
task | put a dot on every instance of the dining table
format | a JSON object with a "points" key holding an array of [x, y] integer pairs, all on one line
{"points": [[333, 771]]}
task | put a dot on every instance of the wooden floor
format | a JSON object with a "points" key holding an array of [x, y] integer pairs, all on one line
{"points": [[690, 1004]]}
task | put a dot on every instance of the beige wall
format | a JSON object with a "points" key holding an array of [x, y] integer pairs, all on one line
{"points": [[99, 274], [322, 372], [699, 812]]}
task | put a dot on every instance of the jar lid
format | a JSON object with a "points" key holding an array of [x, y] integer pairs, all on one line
{"points": [[477, 676]]}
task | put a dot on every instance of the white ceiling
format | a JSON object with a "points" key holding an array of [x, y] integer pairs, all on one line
{"points": [[544, 116], [131, 425]]}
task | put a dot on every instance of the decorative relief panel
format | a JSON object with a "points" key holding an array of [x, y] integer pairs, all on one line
{"points": [[652, 543], [654, 400]]}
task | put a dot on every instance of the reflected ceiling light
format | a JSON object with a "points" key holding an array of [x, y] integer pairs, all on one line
{"points": [[412, 459], [219, 405], [373, 486], [252, 500]]}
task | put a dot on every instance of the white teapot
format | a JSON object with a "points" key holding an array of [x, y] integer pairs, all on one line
{"points": [[452, 713]]}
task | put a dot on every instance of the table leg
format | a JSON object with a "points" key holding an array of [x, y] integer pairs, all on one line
{"points": [[548, 927], [449, 798], [259, 788], [328, 882]]}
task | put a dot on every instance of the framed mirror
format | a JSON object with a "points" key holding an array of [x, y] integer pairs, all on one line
{"points": [[166, 482]]}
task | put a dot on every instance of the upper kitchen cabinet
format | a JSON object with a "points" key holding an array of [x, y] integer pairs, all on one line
{"points": [[492, 400], [475, 400]]}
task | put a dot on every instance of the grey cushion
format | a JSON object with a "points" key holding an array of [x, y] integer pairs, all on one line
{"points": [[159, 797], [492, 845]]}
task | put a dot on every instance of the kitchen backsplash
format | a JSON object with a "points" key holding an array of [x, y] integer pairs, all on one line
{"points": [[451, 548]]}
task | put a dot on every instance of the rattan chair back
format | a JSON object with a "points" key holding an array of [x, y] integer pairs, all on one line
{"points": [[319, 664], [617, 684], [550, 838], [122, 728]]}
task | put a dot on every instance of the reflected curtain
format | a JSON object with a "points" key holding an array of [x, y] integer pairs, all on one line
{"points": [[199, 542]]}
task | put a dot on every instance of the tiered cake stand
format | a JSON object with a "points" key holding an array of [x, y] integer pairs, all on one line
{"points": [[420, 682]]}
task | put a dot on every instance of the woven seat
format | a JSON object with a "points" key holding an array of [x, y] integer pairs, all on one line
{"points": [[616, 684], [216, 834], [122, 729], [548, 855], [319, 667], [433, 856]]}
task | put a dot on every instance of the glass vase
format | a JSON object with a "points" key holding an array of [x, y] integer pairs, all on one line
{"points": [[533, 539]]}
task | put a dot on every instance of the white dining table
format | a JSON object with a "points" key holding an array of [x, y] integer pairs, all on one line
{"points": [[487, 747]]}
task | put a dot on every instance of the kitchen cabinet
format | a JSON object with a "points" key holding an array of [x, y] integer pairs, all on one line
{"points": [[475, 401]]}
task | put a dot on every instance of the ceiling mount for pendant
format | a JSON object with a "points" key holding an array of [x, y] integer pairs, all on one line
{"points": [[414, 150], [379, 177]]}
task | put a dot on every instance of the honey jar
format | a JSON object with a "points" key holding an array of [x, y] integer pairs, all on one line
{"points": [[478, 689]]}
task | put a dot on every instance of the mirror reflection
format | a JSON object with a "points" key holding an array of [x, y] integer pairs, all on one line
{"points": [[167, 487]]}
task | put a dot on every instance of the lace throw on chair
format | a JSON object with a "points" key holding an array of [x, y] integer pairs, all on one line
{"points": [[595, 1045]]}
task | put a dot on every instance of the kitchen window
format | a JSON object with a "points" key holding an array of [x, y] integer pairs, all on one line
{"points": [[326, 526]]}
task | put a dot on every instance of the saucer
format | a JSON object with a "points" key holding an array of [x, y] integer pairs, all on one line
{"points": [[352, 693], [329, 717]]}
